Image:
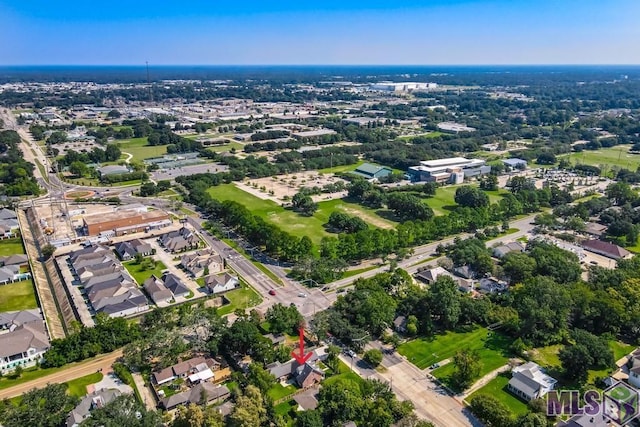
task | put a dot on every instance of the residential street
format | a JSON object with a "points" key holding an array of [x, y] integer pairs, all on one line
{"points": [[103, 362], [410, 383]]}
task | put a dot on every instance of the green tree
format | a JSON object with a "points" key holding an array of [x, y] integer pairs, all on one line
{"points": [[471, 197], [79, 169], [373, 357], [444, 301], [491, 411], [260, 377], [249, 410], [124, 410], [196, 416], [466, 368], [304, 204], [310, 418], [518, 267], [576, 361], [45, 407], [47, 251]]}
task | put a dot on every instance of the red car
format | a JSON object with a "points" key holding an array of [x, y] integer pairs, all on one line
{"points": [[272, 292]]}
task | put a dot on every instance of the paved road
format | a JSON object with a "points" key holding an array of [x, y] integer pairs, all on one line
{"points": [[103, 362], [312, 301], [430, 400]]}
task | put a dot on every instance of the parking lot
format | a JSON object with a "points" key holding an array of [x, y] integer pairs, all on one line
{"points": [[170, 174]]}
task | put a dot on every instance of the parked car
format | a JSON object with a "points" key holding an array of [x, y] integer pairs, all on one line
{"points": [[272, 292]]}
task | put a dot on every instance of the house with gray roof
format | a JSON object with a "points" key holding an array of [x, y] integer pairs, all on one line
{"points": [[175, 285], [128, 250], [156, 289], [529, 382], [223, 283], [21, 260], [91, 401], [502, 250], [179, 240], [23, 339], [204, 390]]}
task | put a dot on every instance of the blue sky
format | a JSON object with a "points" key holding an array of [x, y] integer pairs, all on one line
{"points": [[221, 32]]}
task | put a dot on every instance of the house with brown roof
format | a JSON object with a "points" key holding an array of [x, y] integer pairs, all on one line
{"points": [[202, 263], [180, 240], [182, 369], [607, 249]]}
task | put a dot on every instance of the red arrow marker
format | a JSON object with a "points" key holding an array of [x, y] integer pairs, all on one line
{"points": [[301, 358]]}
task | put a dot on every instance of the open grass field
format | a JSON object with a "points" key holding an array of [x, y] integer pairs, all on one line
{"points": [[292, 222], [78, 387], [226, 147], [423, 352], [17, 296], [617, 156], [140, 150], [546, 356], [141, 275], [342, 168], [243, 297], [498, 389], [444, 199], [11, 247]]}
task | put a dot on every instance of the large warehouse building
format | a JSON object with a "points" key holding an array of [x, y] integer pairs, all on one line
{"points": [[452, 170], [124, 222]]}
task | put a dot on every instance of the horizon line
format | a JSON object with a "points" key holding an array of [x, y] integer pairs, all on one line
{"points": [[143, 64]]}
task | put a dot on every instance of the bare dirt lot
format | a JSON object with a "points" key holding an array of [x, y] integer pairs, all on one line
{"points": [[281, 187]]}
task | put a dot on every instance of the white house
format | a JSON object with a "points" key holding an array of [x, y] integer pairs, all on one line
{"points": [[529, 381], [23, 340], [223, 283]]}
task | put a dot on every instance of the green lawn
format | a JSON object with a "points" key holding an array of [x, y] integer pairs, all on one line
{"points": [[243, 297], [139, 149], [350, 273], [226, 147], [443, 201], [342, 168], [278, 391], [423, 352], [620, 349], [78, 387], [285, 408], [547, 356], [345, 373], [617, 156], [292, 222], [18, 296], [141, 275], [498, 389], [11, 247]]}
